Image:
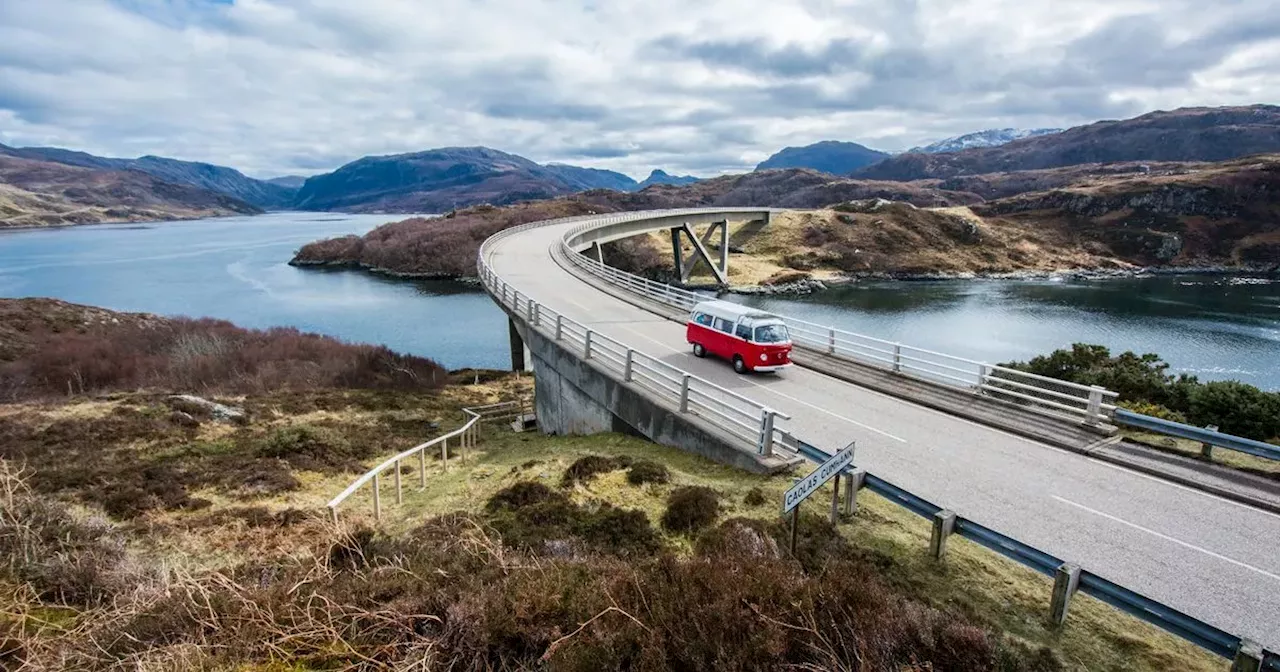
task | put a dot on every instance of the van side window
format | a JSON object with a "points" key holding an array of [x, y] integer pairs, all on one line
{"points": [[703, 319], [724, 325], [743, 332]]}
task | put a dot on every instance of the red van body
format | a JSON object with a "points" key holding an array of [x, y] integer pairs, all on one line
{"points": [[752, 340]]}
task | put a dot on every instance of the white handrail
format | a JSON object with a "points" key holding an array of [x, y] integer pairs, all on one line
{"points": [[466, 434]]}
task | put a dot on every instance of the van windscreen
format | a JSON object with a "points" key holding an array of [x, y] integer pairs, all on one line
{"points": [[772, 333]]}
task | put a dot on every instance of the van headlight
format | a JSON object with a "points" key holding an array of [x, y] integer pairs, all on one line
{"points": [[764, 357]]}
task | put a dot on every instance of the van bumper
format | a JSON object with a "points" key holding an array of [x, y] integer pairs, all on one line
{"points": [[772, 368]]}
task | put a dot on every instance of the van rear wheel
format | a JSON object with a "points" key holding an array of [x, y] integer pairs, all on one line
{"points": [[739, 364], [699, 351]]}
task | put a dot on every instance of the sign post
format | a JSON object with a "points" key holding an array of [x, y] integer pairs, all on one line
{"points": [[803, 487]]}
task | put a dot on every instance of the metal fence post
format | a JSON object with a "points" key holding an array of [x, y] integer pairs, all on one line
{"points": [[897, 358], [377, 497], [399, 488], [853, 482], [1206, 448], [766, 432], [684, 394], [559, 327], [586, 346], [944, 523], [1095, 404], [537, 314], [982, 378], [626, 369], [444, 454], [831, 341], [422, 467], [1065, 583], [1248, 657]]}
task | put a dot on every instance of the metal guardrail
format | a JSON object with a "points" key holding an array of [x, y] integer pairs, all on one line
{"points": [[1228, 441], [746, 420], [1047, 396], [988, 380], [1167, 618]]}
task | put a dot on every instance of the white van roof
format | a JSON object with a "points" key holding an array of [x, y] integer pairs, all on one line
{"points": [[729, 309]]}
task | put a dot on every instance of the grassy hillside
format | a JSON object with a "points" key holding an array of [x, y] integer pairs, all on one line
{"points": [[138, 532]]}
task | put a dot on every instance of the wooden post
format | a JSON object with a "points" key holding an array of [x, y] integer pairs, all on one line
{"points": [[333, 511], [422, 467], [444, 453], [835, 500], [377, 497], [399, 489]]}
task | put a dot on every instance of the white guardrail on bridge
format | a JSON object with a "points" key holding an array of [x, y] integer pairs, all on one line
{"points": [[751, 423], [1047, 396]]}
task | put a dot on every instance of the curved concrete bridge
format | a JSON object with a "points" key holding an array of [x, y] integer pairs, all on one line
{"points": [[621, 363]]}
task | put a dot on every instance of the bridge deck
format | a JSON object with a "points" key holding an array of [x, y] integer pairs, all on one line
{"points": [[1201, 554]]}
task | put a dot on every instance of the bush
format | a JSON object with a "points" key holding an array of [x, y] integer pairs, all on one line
{"points": [[691, 508], [1236, 408], [1145, 386], [1153, 410], [531, 516], [201, 356], [755, 497], [586, 468], [647, 471]]}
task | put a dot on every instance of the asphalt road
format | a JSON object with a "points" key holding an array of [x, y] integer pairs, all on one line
{"points": [[1209, 557]]}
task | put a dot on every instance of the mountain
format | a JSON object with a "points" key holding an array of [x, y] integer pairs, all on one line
{"points": [[440, 180], [291, 182], [50, 193], [661, 177], [829, 156], [204, 175], [1187, 134], [583, 179], [989, 138]]}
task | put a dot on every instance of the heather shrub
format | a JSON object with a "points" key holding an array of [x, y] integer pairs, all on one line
{"points": [[691, 508], [206, 356], [647, 471], [587, 467], [754, 497]]}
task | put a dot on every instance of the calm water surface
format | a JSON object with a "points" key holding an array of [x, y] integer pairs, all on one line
{"points": [[1212, 326], [235, 268]]}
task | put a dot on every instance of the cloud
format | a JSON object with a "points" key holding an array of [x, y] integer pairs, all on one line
{"points": [[300, 86]]}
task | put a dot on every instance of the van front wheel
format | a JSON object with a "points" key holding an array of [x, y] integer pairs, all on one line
{"points": [[739, 364], [699, 351]]}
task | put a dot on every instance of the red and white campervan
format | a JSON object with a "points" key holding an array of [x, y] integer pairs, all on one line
{"points": [[752, 340]]}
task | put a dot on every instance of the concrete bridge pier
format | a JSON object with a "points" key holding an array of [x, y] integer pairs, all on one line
{"points": [[520, 357]]}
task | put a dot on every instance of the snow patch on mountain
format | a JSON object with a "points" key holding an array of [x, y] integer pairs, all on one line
{"points": [[993, 137]]}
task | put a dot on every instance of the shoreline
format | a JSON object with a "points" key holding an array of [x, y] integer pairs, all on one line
{"points": [[385, 272]]}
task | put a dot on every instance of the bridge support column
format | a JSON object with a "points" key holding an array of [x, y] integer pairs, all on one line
{"points": [[519, 353], [686, 267], [597, 252]]}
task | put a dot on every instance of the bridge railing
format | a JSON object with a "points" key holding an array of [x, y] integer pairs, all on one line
{"points": [[1047, 396], [747, 420]]}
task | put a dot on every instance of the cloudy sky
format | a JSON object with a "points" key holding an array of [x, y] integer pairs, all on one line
{"points": [[275, 87]]}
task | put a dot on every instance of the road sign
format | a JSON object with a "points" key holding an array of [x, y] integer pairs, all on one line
{"points": [[809, 484]]}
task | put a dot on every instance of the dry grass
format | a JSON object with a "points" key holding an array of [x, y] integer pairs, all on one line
{"points": [[248, 582]]}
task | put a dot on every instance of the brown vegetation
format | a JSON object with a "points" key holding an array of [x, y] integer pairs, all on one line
{"points": [[55, 348]]}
